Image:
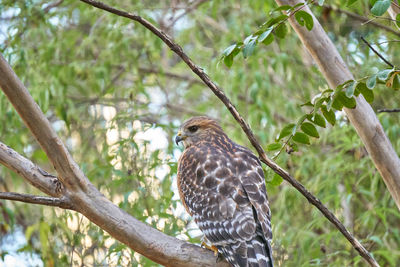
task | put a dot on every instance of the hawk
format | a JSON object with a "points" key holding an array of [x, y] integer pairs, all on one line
{"points": [[222, 186]]}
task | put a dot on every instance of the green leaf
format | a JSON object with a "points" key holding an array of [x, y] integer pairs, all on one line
{"points": [[288, 129], [348, 102], [398, 20], [301, 138], [343, 85], [265, 34], [376, 239], [266, 37], [281, 30], [335, 102], [371, 82], [274, 146], [276, 20], [29, 231], [228, 61], [298, 5], [383, 75], [229, 50], [350, 2], [396, 82], [276, 180], [308, 103], [367, 93], [249, 48], [319, 120], [44, 230], [304, 19], [283, 7], [329, 115], [300, 121], [349, 89], [309, 129], [268, 40], [380, 7], [319, 103]]}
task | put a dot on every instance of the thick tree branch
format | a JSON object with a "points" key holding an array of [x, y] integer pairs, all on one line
{"points": [[40, 200], [86, 199], [246, 128]]}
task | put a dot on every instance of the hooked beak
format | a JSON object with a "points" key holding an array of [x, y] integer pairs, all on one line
{"points": [[179, 138]]}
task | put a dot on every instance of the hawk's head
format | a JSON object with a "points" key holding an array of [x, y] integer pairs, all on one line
{"points": [[197, 129]]}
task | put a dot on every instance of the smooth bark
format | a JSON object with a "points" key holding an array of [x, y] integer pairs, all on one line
{"points": [[393, 11], [362, 117]]}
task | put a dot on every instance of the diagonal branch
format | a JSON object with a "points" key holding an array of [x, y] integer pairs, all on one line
{"points": [[376, 52], [40, 200], [246, 128]]}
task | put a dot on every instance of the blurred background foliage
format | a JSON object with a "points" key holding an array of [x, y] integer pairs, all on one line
{"points": [[116, 96]]}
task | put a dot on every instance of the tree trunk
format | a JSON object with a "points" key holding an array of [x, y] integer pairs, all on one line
{"points": [[393, 11], [362, 117]]}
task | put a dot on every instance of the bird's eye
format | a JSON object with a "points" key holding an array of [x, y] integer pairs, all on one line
{"points": [[193, 128]]}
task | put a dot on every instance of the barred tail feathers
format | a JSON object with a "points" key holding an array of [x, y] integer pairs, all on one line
{"points": [[253, 253], [259, 252]]}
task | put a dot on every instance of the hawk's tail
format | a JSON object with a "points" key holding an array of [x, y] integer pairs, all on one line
{"points": [[254, 253], [259, 252]]}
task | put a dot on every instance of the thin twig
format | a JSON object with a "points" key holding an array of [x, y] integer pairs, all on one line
{"points": [[385, 42], [246, 128], [388, 110], [364, 20], [40, 200], [187, 11], [377, 53], [52, 5]]}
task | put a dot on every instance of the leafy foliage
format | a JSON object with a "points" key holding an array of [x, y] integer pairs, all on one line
{"points": [[380, 7]]}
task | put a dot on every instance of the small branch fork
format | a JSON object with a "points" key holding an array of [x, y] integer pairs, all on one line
{"points": [[246, 128]]}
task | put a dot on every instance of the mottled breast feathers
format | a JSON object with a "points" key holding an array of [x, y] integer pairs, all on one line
{"points": [[221, 184]]}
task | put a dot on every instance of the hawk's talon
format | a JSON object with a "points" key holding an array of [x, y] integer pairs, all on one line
{"points": [[212, 248]]}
